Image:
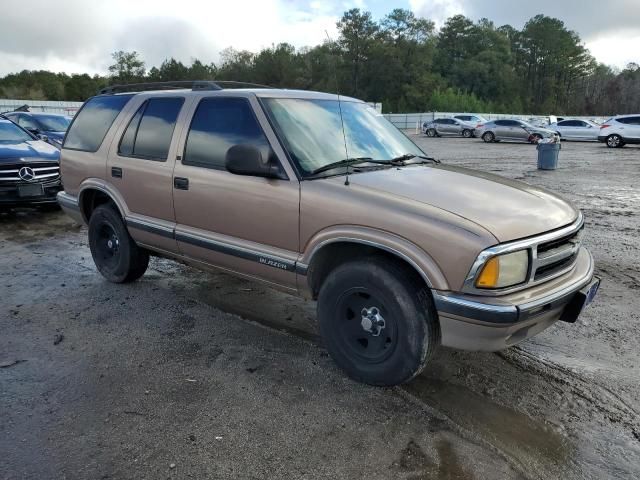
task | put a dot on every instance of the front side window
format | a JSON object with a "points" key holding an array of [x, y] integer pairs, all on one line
{"points": [[312, 132], [218, 124], [149, 132], [93, 121]]}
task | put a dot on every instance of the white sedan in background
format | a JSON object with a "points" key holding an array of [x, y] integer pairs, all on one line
{"points": [[575, 129]]}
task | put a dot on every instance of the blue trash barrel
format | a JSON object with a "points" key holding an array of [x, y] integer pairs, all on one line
{"points": [[548, 155]]}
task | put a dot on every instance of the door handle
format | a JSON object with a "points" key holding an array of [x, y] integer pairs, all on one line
{"points": [[116, 172], [181, 183]]}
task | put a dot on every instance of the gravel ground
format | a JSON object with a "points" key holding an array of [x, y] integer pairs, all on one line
{"points": [[186, 374]]}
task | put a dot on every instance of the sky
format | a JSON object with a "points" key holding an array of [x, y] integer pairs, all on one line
{"points": [[78, 36]]}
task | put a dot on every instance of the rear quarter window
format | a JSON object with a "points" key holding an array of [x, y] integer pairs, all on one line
{"points": [[93, 121]]}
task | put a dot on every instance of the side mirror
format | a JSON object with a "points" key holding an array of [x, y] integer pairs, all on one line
{"points": [[247, 160], [35, 131]]}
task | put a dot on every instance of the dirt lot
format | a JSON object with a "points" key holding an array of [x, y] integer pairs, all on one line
{"points": [[195, 375]]}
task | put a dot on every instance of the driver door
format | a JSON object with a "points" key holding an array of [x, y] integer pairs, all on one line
{"points": [[243, 224]]}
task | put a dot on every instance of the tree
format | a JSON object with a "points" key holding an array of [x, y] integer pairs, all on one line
{"points": [[128, 67], [357, 35]]}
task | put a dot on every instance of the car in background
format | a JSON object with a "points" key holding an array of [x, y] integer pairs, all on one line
{"points": [[448, 126], [576, 129], [472, 119], [512, 130], [620, 130], [50, 127], [29, 168]]}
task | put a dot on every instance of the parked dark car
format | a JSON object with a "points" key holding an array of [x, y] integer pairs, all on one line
{"points": [[29, 168], [51, 127]]}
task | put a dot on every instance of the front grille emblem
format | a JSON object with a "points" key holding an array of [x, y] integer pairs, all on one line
{"points": [[27, 174]]}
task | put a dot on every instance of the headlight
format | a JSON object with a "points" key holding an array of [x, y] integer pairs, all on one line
{"points": [[504, 270]]}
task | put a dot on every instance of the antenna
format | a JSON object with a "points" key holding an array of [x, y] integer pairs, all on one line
{"points": [[344, 135]]}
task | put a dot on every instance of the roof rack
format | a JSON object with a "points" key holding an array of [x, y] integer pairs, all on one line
{"points": [[178, 84]]}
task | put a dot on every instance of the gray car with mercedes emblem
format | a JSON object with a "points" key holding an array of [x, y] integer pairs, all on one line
{"points": [[29, 169]]}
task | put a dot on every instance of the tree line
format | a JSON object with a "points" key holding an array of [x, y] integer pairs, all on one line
{"points": [[402, 61]]}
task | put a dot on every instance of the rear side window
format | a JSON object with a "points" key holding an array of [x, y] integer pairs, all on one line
{"points": [[93, 121], [218, 124], [630, 120], [149, 132], [502, 123]]}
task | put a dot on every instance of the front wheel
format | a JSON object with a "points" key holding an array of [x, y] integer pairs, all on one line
{"points": [[431, 132], [378, 321], [614, 141], [467, 133], [115, 253]]}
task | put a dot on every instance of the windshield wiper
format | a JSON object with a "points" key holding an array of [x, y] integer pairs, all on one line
{"points": [[348, 162], [416, 159]]}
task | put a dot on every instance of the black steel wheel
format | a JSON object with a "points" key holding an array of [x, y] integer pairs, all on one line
{"points": [[115, 253], [378, 321]]}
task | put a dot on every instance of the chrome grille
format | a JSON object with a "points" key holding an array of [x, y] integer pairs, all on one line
{"points": [[43, 172], [551, 254], [557, 255]]}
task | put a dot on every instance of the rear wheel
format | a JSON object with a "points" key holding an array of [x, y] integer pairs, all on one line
{"points": [[378, 321], [431, 132], [488, 137], [115, 253], [466, 133], [614, 141]]}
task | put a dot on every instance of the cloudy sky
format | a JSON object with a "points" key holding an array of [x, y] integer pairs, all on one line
{"points": [[79, 35]]}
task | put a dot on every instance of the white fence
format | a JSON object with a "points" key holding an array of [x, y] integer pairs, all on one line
{"points": [[66, 108], [411, 120]]}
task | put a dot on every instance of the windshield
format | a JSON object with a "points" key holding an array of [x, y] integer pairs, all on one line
{"points": [[10, 133], [53, 123], [312, 132]]}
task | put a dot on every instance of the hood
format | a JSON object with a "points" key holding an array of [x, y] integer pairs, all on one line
{"points": [[508, 209], [31, 150]]}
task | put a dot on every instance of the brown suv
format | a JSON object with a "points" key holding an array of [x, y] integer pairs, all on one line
{"points": [[319, 195]]}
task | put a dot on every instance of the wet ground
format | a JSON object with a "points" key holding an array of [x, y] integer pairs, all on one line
{"points": [[187, 374]]}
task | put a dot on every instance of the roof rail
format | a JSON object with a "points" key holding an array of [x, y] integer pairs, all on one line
{"points": [[178, 84]]}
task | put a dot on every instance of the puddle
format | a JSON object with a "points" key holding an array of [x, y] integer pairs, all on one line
{"points": [[515, 434]]}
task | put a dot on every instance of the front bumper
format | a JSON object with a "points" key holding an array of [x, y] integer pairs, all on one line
{"points": [[10, 197], [470, 322], [71, 206]]}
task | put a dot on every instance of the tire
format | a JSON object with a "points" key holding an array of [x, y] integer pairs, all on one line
{"points": [[396, 307], [488, 137], [466, 133], [615, 141], [431, 132], [115, 253], [535, 138]]}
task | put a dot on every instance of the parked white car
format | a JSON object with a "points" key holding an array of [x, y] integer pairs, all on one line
{"points": [[620, 130], [575, 129]]}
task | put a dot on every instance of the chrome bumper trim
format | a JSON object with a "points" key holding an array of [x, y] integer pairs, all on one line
{"points": [[68, 201], [463, 306]]}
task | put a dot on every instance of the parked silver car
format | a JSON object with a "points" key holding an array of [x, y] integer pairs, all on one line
{"points": [[472, 119], [512, 130], [448, 126], [575, 129]]}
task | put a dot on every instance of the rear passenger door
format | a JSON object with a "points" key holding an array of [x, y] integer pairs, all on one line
{"points": [[140, 167], [244, 224], [631, 128]]}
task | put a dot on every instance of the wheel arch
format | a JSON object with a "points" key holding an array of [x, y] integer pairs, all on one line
{"points": [[92, 194], [327, 253]]}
